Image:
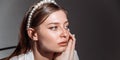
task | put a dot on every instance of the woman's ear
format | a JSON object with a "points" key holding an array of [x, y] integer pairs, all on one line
{"points": [[32, 34]]}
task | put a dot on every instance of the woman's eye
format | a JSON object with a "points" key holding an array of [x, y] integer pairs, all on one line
{"points": [[53, 28], [67, 27]]}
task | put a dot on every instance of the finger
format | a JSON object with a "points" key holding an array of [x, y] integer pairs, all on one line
{"points": [[69, 46], [70, 35], [69, 42], [74, 41], [73, 47]]}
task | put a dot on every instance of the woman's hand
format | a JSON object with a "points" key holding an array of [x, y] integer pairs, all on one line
{"points": [[69, 52]]}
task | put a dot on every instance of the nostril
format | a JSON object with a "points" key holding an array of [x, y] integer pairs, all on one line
{"points": [[64, 33]]}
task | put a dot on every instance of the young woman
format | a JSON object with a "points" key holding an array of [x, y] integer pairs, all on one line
{"points": [[44, 34]]}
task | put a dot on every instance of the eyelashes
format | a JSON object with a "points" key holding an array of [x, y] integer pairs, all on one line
{"points": [[55, 28], [67, 27]]}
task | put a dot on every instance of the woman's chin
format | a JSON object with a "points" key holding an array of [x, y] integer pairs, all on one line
{"points": [[62, 49]]}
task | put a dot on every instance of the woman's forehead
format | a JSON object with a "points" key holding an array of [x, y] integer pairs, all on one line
{"points": [[56, 17]]}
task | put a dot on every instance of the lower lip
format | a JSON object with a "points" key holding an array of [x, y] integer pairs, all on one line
{"points": [[63, 44]]}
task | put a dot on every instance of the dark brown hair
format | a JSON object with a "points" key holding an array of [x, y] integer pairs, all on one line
{"points": [[25, 43]]}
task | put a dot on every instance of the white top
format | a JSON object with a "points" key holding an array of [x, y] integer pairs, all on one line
{"points": [[29, 56]]}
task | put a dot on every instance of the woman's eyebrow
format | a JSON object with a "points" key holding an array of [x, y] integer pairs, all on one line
{"points": [[66, 22], [56, 23]]}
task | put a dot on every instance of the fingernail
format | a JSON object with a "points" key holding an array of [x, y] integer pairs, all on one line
{"points": [[73, 35], [68, 29]]}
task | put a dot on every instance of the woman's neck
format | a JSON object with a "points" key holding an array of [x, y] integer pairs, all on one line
{"points": [[42, 55]]}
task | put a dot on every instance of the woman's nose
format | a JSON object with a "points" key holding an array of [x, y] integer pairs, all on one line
{"points": [[64, 33]]}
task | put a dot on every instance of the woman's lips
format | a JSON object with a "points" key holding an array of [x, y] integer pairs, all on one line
{"points": [[63, 43]]}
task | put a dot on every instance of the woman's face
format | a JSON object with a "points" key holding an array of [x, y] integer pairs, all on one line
{"points": [[53, 33]]}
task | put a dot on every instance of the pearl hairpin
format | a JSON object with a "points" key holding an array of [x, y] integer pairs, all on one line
{"points": [[35, 7]]}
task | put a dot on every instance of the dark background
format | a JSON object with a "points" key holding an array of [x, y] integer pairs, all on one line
{"points": [[96, 24]]}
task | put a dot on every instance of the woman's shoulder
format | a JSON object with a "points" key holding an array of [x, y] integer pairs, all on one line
{"points": [[29, 56], [26, 56]]}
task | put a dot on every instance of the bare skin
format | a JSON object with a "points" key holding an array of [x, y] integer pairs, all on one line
{"points": [[53, 39]]}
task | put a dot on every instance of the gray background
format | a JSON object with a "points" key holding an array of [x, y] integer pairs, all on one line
{"points": [[11, 15], [96, 24]]}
